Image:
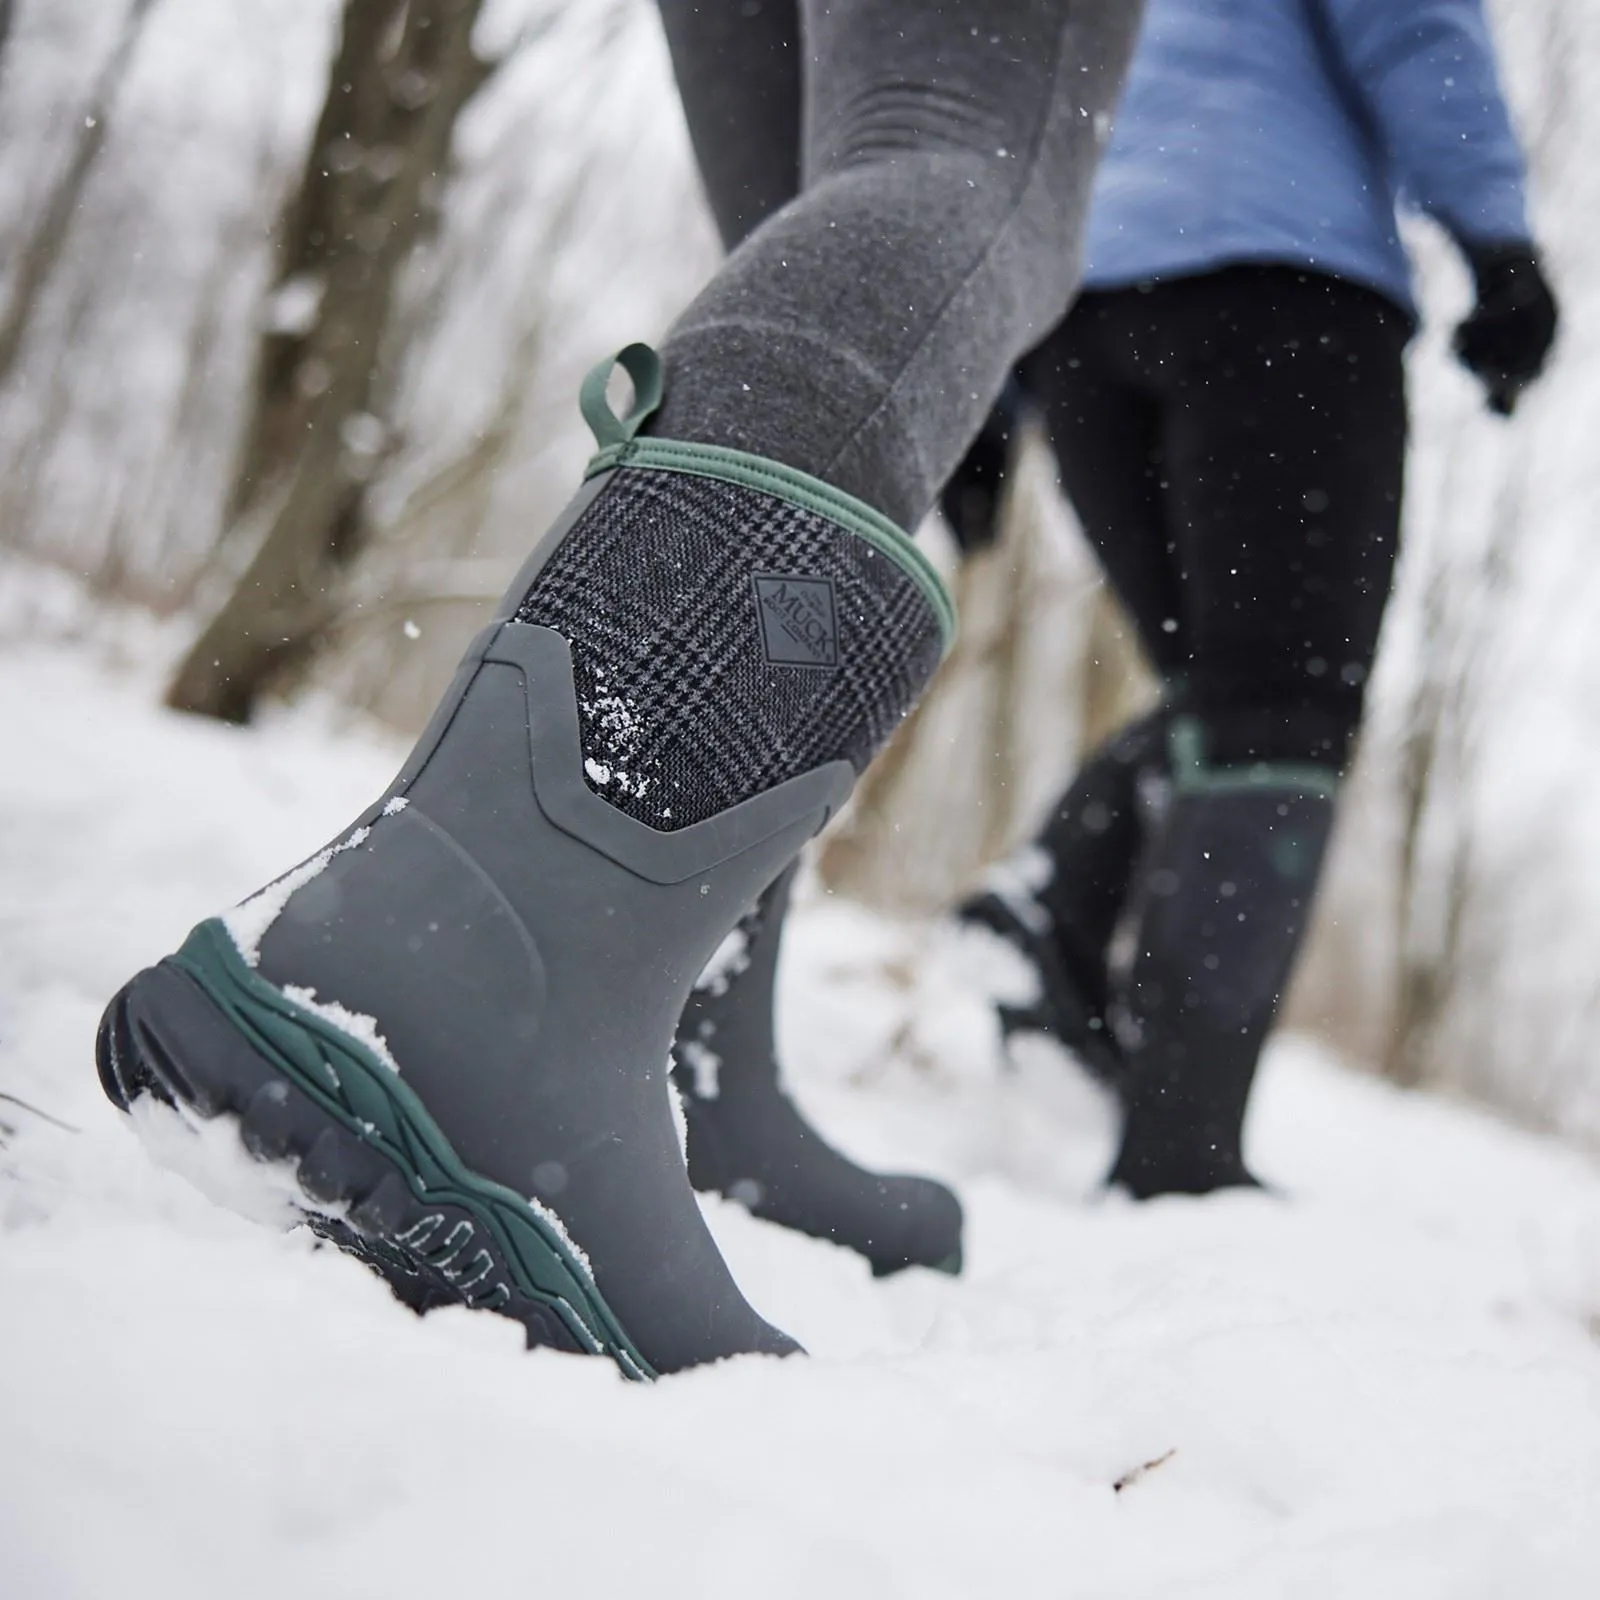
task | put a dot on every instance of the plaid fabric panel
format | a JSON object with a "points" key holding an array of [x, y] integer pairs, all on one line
{"points": [[724, 640]]}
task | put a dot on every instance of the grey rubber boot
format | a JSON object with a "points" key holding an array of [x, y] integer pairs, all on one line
{"points": [[454, 1023], [1225, 894], [748, 1140]]}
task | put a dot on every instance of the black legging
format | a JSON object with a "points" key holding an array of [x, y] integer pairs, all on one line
{"points": [[1234, 445]]}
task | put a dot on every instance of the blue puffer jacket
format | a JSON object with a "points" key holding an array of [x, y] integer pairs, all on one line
{"points": [[1287, 130]]}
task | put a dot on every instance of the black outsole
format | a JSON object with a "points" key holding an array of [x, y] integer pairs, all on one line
{"points": [[162, 1036]]}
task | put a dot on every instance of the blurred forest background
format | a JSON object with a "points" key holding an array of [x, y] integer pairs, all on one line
{"points": [[294, 300]]}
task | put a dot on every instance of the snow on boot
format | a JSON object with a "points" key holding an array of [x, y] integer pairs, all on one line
{"points": [[747, 1139], [1225, 892], [454, 1023]]}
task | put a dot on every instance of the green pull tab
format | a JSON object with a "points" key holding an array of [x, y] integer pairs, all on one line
{"points": [[643, 366]]}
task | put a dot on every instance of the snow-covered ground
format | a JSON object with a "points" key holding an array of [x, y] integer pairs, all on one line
{"points": [[1383, 1380]]}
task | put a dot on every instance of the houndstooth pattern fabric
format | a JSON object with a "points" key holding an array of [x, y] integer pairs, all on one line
{"points": [[684, 710]]}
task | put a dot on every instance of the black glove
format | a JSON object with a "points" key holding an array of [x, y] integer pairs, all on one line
{"points": [[971, 499], [1506, 339]]}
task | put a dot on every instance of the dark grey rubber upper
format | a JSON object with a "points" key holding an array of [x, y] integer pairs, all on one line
{"points": [[525, 950], [748, 1140]]}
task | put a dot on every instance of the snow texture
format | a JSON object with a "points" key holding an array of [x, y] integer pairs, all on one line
{"points": [[680, 1117], [1380, 1380], [363, 1029], [1018, 880], [209, 1156], [728, 960], [559, 1229], [705, 1064], [249, 920], [612, 725], [981, 957]]}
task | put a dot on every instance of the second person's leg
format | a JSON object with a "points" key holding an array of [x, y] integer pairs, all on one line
{"points": [[1284, 451]]}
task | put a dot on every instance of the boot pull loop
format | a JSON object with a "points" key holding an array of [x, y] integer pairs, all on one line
{"points": [[643, 366]]}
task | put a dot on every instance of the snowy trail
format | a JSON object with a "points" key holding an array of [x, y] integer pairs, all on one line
{"points": [[1384, 1383]]}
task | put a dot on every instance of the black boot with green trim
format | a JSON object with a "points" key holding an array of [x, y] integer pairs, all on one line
{"points": [[1057, 902], [454, 1023], [1224, 894], [749, 1141]]}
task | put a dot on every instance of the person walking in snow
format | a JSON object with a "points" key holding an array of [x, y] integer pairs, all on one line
{"points": [[1226, 401], [454, 1021]]}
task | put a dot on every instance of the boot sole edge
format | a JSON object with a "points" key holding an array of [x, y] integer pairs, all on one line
{"points": [[204, 1032]]}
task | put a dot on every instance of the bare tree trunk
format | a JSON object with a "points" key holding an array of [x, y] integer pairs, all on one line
{"points": [[400, 78], [42, 253]]}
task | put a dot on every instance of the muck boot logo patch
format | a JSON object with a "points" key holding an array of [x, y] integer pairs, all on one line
{"points": [[798, 627]]}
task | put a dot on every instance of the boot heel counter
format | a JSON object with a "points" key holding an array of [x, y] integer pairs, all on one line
{"points": [[407, 929]]}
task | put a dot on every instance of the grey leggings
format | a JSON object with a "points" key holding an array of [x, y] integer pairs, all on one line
{"points": [[943, 151]]}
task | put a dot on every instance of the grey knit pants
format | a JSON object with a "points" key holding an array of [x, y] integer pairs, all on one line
{"points": [[943, 152]]}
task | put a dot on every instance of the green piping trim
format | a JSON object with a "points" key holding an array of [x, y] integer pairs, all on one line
{"points": [[799, 489], [1191, 774]]}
